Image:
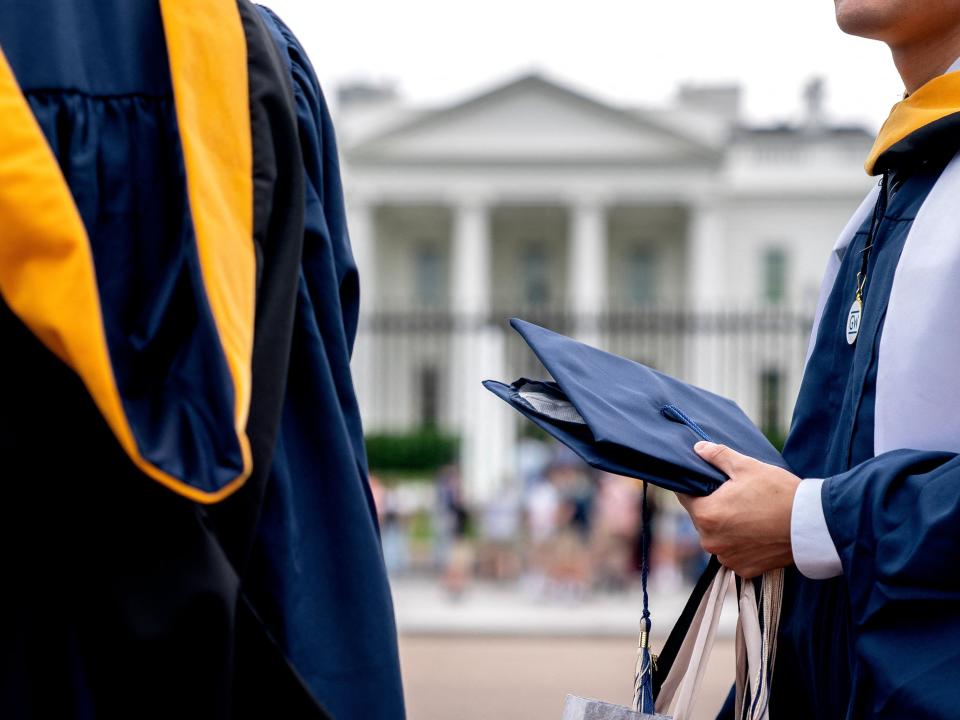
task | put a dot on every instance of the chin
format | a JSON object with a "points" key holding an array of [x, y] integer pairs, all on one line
{"points": [[877, 19]]}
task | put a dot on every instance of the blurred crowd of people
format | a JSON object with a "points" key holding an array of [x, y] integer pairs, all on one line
{"points": [[561, 528]]}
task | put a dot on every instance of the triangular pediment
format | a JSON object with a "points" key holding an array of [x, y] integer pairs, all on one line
{"points": [[532, 120]]}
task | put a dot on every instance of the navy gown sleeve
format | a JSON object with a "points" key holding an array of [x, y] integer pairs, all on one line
{"points": [[328, 263], [317, 576], [895, 520]]}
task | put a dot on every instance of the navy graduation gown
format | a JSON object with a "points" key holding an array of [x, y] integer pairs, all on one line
{"points": [[317, 566], [883, 639], [122, 598]]}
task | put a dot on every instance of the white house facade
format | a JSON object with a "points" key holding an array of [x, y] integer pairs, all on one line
{"points": [[674, 235]]}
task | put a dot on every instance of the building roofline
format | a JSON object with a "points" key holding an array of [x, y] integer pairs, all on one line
{"points": [[631, 117]]}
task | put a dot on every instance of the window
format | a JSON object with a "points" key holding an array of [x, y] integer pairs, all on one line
{"points": [[771, 406], [429, 387], [535, 266], [428, 276], [774, 275], [642, 276]]}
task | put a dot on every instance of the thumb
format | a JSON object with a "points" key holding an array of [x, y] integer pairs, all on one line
{"points": [[721, 457]]}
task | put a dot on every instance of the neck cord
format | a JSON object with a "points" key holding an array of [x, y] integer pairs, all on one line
{"points": [[879, 210]]}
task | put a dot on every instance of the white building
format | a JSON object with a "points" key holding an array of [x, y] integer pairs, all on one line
{"points": [[674, 235]]}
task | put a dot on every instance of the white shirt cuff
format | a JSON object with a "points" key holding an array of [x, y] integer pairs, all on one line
{"points": [[814, 553]]}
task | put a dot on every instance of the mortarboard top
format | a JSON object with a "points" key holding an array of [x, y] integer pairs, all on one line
{"points": [[628, 419]]}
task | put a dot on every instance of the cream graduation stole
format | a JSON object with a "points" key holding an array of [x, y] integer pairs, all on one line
{"points": [[918, 374]]}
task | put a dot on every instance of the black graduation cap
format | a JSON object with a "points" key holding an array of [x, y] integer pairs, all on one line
{"points": [[623, 417]]}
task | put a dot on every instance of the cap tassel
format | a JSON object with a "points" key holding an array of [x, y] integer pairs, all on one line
{"points": [[643, 675]]}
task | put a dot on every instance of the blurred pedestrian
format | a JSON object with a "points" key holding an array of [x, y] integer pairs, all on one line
{"points": [[501, 526], [393, 532], [569, 571], [542, 515], [455, 528], [616, 522]]}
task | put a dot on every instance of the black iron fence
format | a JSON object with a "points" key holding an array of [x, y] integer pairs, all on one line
{"points": [[753, 356]]}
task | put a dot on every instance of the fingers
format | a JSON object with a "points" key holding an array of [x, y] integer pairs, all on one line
{"points": [[699, 509], [746, 568], [695, 506], [720, 456], [751, 562]]}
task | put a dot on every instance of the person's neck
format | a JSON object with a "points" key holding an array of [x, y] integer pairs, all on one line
{"points": [[921, 61]]}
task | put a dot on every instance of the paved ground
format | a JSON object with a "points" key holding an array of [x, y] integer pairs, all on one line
{"points": [[489, 609], [502, 653], [526, 678]]}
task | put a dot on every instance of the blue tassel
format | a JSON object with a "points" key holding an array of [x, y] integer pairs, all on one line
{"points": [[643, 678], [643, 675]]}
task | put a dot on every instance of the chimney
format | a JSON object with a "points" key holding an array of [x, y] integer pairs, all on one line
{"points": [[720, 100], [364, 95], [814, 119]]}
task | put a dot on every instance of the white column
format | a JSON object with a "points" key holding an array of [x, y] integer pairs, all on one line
{"points": [[470, 288], [469, 299], [485, 429], [488, 425], [587, 269], [362, 228], [707, 279]]}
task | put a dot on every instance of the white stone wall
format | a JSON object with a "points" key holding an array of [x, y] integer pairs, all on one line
{"points": [[805, 227]]}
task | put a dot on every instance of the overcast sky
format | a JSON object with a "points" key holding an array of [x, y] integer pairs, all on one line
{"points": [[622, 51]]}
